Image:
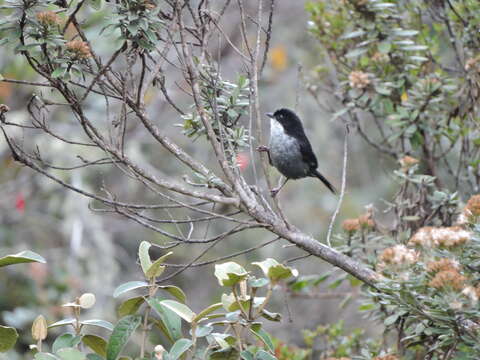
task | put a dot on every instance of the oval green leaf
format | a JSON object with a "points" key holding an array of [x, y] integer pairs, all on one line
{"points": [[130, 306], [8, 338], [180, 309], [129, 286], [175, 291], [180, 346], [120, 335], [229, 273], [100, 323], [96, 343], [71, 354], [144, 256], [26, 256]]}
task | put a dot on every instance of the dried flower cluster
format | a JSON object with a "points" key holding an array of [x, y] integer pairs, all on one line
{"points": [[48, 18], [448, 279], [407, 162], [358, 80], [351, 225], [471, 212], [79, 49], [472, 294], [442, 265], [430, 236], [380, 57], [473, 64], [364, 221], [397, 255]]}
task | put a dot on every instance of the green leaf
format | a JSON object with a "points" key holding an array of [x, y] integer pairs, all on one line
{"points": [[171, 322], [175, 291], [94, 357], [207, 311], [65, 341], [26, 256], [258, 283], [58, 72], [97, 322], [202, 331], [45, 356], [144, 256], [130, 306], [353, 34], [274, 270], [262, 335], [229, 273], [271, 316], [401, 32], [96, 343], [391, 319], [180, 346], [8, 338], [263, 355], [129, 286], [156, 269], [356, 52], [120, 335], [63, 322], [415, 47], [246, 355], [96, 4], [384, 47], [71, 354], [180, 309]]}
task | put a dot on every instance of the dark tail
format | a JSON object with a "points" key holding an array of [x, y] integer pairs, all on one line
{"points": [[325, 181]]}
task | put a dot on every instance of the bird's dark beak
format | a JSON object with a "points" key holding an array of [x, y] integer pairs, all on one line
{"points": [[270, 115]]}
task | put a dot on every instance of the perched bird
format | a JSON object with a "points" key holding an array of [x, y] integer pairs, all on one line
{"points": [[289, 149]]}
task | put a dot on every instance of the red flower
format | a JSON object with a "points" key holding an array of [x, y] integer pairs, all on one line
{"points": [[20, 203], [242, 161]]}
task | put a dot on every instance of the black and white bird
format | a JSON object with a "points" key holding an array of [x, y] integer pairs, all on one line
{"points": [[289, 149]]}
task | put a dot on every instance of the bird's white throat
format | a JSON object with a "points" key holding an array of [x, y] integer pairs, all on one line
{"points": [[276, 129]]}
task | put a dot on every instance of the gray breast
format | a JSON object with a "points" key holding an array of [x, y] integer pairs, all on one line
{"points": [[285, 153]]}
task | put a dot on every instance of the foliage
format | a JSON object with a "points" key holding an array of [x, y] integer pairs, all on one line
{"points": [[9, 335], [230, 328], [411, 100]]}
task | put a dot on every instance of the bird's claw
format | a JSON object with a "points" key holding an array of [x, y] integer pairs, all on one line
{"points": [[274, 192]]}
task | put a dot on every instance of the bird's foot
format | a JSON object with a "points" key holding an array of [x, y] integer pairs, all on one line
{"points": [[262, 148], [274, 191]]}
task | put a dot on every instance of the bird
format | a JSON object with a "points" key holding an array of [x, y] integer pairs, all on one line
{"points": [[289, 149]]}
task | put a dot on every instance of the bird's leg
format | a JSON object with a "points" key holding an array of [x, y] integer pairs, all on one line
{"points": [[263, 148], [276, 190]]}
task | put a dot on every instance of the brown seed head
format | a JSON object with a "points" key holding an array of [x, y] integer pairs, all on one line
{"points": [[358, 80], [79, 49], [448, 279], [442, 265], [351, 225], [429, 236], [473, 205], [399, 255], [48, 18], [366, 221], [408, 161]]}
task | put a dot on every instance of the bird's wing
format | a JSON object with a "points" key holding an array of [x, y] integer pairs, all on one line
{"points": [[307, 152]]}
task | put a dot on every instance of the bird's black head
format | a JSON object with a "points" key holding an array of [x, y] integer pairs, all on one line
{"points": [[286, 117]]}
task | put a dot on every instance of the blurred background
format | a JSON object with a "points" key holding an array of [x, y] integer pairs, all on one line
{"points": [[95, 252]]}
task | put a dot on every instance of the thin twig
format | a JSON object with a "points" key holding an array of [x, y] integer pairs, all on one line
{"points": [[342, 191]]}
